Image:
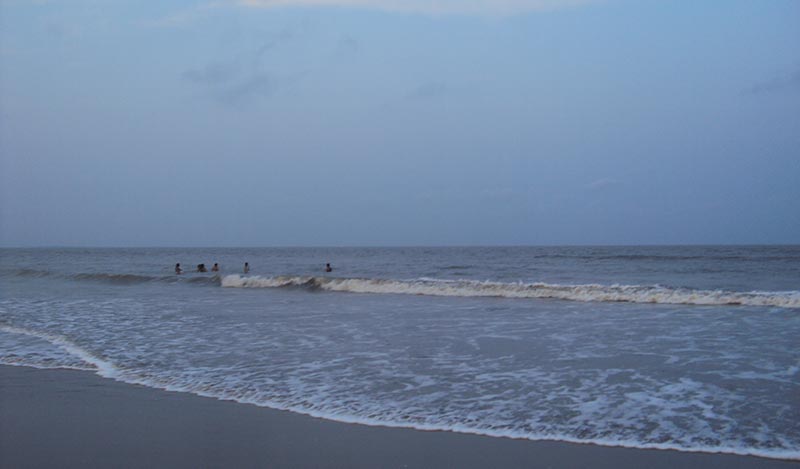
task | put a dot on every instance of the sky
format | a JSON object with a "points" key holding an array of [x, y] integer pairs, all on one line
{"points": [[399, 122]]}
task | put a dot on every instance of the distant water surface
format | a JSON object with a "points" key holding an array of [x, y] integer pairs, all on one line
{"points": [[688, 348]]}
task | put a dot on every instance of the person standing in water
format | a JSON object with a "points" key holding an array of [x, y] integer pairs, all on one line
{"points": [[178, 269], [246, 267], [215, 268], [328, 267]]}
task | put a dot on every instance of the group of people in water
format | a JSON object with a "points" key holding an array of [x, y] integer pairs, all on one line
{"points": [[215, 268], [202, 268]]}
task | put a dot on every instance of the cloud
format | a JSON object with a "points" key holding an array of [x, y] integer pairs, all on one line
{"points": [[258, 84], [273, 40], [783, 82], [435, 7], [212, 74], [230, 86], [348, 44], [244, 79]]}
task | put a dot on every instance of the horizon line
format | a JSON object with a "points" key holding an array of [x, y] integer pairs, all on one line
{"points": [[385, 246]]}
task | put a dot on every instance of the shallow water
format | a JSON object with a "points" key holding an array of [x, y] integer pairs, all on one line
{"points": [[690, 348]]}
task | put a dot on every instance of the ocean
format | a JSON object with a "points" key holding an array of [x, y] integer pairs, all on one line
{"points": [[686, 348]]}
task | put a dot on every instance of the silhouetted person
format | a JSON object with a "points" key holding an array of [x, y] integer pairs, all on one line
{"points": [[246, 267], [328, 268], [215, 268], [201, 268], [178, 269]]}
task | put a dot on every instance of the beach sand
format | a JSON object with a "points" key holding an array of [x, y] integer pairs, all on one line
{"points": [[65, 418]]}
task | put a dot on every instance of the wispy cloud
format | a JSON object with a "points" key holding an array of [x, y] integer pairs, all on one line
{"points": [[213, 73], [347, 44], [229, 84], [273, 40], [242, 80], [257, 84], [435, 7]]}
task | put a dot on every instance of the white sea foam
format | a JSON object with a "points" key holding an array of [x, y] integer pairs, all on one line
{"points": [[101, 366], [321, 404], [471, 288]]}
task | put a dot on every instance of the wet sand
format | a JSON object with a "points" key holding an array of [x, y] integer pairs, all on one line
{"points": [[64, 418]]}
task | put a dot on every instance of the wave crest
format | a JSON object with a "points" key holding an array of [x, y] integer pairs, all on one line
{"points": [[471, 288]]}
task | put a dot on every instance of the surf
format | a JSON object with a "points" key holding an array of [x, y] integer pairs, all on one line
{"points": [[648, 294]]}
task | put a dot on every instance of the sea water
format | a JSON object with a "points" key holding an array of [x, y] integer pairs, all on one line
{"points": [[686, 348]]}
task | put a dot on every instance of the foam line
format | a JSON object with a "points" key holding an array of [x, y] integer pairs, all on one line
{"points": [[470, 288], [106, 369], [102, 367]]}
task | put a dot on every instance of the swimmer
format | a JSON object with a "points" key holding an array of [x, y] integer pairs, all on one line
{"points": [[201, 268], [178, 269], [246, 267], [215, 268], [328, 268]]}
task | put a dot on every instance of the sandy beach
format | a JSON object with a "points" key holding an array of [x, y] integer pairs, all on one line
{"points": [[65, 418]]}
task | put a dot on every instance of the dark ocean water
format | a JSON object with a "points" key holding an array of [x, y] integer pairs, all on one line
{"points": [[689, 348]]}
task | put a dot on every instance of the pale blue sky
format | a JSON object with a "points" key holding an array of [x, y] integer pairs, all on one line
{"points": [[361, 122]]}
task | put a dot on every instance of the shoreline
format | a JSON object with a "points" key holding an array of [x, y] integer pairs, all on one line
{"points": [[70, 418]]}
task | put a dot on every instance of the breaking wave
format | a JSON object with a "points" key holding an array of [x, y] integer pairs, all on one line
{"points": [[654, 294], [471, 288]]}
